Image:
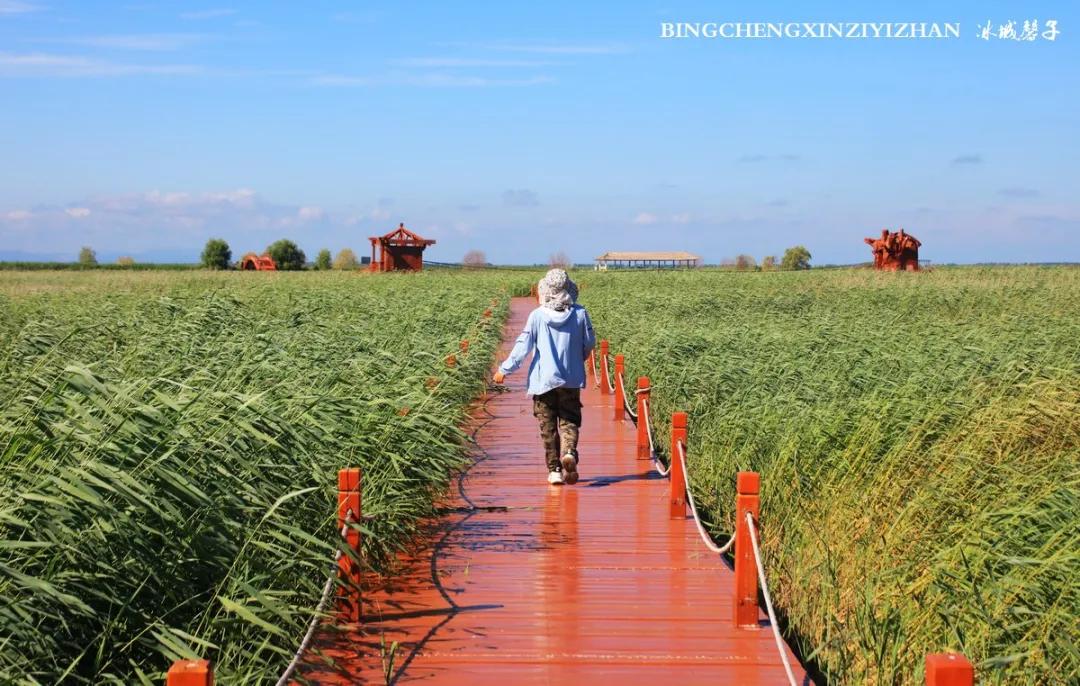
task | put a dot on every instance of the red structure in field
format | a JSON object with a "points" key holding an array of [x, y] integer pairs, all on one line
{"points": [[399, 250], [258, 263], [895, 252]]}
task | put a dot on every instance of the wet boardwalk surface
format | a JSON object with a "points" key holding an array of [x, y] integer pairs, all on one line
{"points": [[526, 583]]}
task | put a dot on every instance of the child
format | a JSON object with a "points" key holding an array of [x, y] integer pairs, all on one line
{"points": [[562, 336]]}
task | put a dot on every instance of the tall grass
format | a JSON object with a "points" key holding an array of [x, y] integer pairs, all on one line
{"points": [[919, 441], [169, 444]]}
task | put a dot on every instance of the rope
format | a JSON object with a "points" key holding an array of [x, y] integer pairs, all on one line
{"points": [[606, 367], [328, 587], [768, 599], [709, 542], [652, 448], [626, 400]]}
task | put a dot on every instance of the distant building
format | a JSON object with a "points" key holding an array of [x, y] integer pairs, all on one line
{"points": [[259, 263], [399, 250], [647, 260]]}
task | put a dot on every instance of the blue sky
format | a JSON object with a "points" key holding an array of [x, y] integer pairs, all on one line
{"points": [[521, 129]]}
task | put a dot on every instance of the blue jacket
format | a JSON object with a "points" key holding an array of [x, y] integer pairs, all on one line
{"points": [[562, 341]]}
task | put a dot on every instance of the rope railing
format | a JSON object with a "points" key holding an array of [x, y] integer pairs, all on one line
{"points": [[752, 528], [626, 399], [953, 669], [657, 464], [705, 535], [320, 608], [345, 570]]}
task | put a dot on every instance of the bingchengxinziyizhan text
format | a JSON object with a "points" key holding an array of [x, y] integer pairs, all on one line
{"points": [[1028, 30]]}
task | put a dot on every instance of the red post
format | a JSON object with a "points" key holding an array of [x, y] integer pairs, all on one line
{"points": [[747, 487], [190, 673], [604, 390], [620, 409], [678, 478], [949, 669], [643, 451], [348, 569]]}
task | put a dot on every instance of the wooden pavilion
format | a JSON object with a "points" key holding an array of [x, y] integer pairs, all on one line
{"points": [[647, 260], [399, 250]]}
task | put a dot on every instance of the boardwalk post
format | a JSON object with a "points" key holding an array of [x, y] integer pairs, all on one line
{"points": [[604, 390], [747, 487], [643, 451], [678, 478], [620, 408], [348, 569], [190, 673], [949, 669]]}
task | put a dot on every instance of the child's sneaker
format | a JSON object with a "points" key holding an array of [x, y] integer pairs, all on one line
{"points": [[555, 478], [569, 467]]}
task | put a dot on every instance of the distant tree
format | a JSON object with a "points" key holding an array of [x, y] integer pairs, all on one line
{"points": [[322, 262], [286, 255], [560, 260], [216, 254], [474, 259], [768, 263], [87, 257], [125, 261], [346, 260], [796, 257], [745, 263]]}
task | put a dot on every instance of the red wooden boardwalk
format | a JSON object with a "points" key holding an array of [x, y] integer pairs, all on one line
{"points": [[526, 583]]}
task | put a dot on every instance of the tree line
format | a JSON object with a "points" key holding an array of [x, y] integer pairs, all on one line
{"points": [[287, 256]]}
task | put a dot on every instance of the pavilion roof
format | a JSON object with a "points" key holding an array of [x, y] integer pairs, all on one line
{"points": [[402, 236], [614, 256]]}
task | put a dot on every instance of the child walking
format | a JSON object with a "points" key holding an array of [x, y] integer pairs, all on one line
{"points": [[562, 336]]}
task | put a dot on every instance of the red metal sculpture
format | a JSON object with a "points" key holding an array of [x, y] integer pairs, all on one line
{"points": [[895, 252], [259, 263]]}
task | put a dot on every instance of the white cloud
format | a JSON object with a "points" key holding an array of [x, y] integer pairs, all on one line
{"points": [[551, 48], [681, 218], [380, 213], [48, 64], [137, 41], [211, 13], [429, 80], [17, 7], [310, 213], [18, 215], [521, 197], [645, 218], [77, 212], [466, 62], [241, 197]]}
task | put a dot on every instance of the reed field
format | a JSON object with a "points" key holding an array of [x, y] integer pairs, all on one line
{"points": [[169, 446], [918, 437], [170, 440]]}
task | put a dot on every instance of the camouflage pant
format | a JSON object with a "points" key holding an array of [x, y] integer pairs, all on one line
{"points": [[559, 413]]}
